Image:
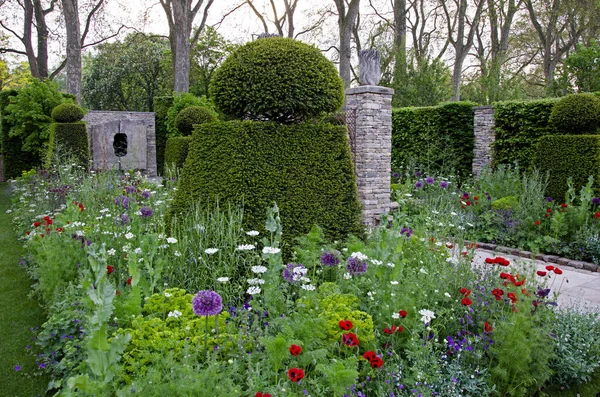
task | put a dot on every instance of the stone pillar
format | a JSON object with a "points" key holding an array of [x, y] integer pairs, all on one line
{"points": [[369, 113], [483, 127]]}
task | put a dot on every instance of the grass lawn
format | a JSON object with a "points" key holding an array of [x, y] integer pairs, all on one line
{"points": [[19, 313]]}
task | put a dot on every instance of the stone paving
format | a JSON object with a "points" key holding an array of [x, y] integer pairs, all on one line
{"points": [[578, 289]]}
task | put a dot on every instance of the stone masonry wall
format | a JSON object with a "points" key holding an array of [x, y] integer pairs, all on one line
{"points": [[484, 137], [369, 114], [140, 130]]}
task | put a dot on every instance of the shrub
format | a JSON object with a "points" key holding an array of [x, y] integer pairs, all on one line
{"points": [[576, 114], [190, 116], [435, 137], [67, 113], [177, 150], [277, 79], [564, 156], [161, 107], [505, 203], [15, 160], [180, 102], [69, 140], [305, 168]]}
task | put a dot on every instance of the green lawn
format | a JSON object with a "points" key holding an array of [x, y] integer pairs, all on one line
{"points": [[19, 313]]}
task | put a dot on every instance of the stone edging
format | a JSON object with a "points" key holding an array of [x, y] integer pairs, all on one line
{"points": [[541, 257]]}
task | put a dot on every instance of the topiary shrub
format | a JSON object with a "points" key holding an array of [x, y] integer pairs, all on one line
{"points": [[277, 79], [67, 113], [576, 114], [564, 156], [188, 117], [180, 102], [69, 141], [305, 168], [177, 150], [161, 107]]}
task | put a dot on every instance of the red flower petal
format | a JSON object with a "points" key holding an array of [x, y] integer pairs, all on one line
{"points": [[541, 273], [295, 374], [557, 270], [295, 350], [403, 313], [466, 301], [346, 325], [549, 268]]}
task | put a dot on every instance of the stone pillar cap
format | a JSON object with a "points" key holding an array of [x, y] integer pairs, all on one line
{"points": [[372, 89]]}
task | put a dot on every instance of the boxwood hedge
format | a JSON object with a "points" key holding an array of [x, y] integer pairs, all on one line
{"points": [[161, 108], [69, 140], [177, 150], [14, 159]]}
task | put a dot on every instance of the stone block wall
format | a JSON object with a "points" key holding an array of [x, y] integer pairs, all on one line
{"points": [[484, 137], [369, 115], [141, 137]]}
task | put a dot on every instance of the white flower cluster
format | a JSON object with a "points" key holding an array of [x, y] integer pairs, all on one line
{"points": [[270, 250], [259, 269], [426, 315], [252, 233], [245, 247], [223, 279], [359, 255], [175, 314], [254, 290], [210, 251]]}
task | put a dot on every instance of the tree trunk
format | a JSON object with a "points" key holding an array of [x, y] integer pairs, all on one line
{"points": [[399, 40], [42, 40], [346, 20], [70, 9]]}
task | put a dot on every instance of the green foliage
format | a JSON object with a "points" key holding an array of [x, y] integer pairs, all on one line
{"points": [[161, 108], [505, 203], [435, 137], [177, 150], [583, 67], [69, 141], [181, 101], [568, 156], [518, 125], [427, 83], [576, 114], [67, 113], [306, 169], [277, 79], [190, 116], [14, 158]]}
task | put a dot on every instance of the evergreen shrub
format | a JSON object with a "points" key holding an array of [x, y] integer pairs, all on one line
{"points": [[436, 137], [564, 156], [190, 116], [305, 168], [277, 79], [67, 113], [181, 101], [161, 108], [14, 159], [177, 150], [576, 114], [69, 140]]}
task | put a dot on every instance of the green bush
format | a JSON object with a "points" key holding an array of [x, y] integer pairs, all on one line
{"points": [[190, 116], [437, 137], [564, 156], [506, 203], [277, 79], [576, 114], [305, 168], [67, 113], [177, 150], [14, 159], [69, 141], [161, 107], [180, 102], [518, 125]]}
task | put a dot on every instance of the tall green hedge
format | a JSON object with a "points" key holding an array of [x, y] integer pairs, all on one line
{"points": [[564, 156], [14, 159], [435, 137], [161, 108], [69, 140], [305, 168], [177, 150], [518, 126]]}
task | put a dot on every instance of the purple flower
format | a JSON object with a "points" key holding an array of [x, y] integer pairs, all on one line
{"points": [[207, 303], [123, 219], [429, 180], [395, 175], [293, 272], [17, 367], [418, 184], [418, 174], [146, 194], [407, 231], [130, 189], [443, 184], [356, 267], [146, 212], [122, 200], [330, 258], [549, 199], [596, 201]]}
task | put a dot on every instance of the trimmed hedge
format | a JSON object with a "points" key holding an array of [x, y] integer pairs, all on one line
{"points": [[190, 116], [177, 150], [518, 126], [161, 108], [576, 114], [69, 140], [67, 113], [14, 159], [305, 168], [564, 156], [436, 137]]}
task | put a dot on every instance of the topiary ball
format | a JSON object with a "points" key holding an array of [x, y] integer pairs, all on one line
{"points": [[576, 114], [67, 113], [190, 116], [277, 79]]}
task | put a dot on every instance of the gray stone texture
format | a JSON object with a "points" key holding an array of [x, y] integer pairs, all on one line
{"points": [[371, 110], [484, 137], [141, 140], [369, 67]]}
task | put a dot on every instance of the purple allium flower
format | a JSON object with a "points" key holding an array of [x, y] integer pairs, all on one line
{"points": [[418, 184], [549, 199], [146, 194], [330, 258], [130, 189], [596, 201], [122, 200], [293, 272], [429, 180], [146, 212], [444, 184], [207, 303], [395, 175], [17, 367], [407, 231], [356, 267], [123, 219], [418, 174]]}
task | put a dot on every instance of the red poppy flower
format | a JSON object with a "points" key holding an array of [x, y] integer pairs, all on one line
{"points": [[465, 291], [403, 313], [549, 268], [81, 207], [109, 269], [541, 273], [563, 205], [28, 233], [261, 394], [295, 374], [431, 239], [501, 261], [489, 261], [549, 210], [476, 198], [36, 224], [464, 253], [537, 223], [512, 296], [488, 327], [129, 281], [468, 203], [466, 301], [350, 339], [535, 303], [524, 292], [118, 293], [557, 270], [47, 230], [346, 325], [519, 283], [60, 229], [392, 330], [449, 245], [596, 215], [546, 215], [497, 292], [376, 362], [369, 355], [42, 235], [295, 350]]}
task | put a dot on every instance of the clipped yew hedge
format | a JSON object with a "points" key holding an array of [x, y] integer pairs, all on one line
{"points": [[161, 108], [15, 160], [69, 140], [177, 150]]}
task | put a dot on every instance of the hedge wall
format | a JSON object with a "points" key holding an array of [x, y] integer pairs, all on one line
{"points": [[14, 159], [161, 108], [563, 156], [305, 168], [69, 139], [518, 126], [436, 137], [177, 150]]}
